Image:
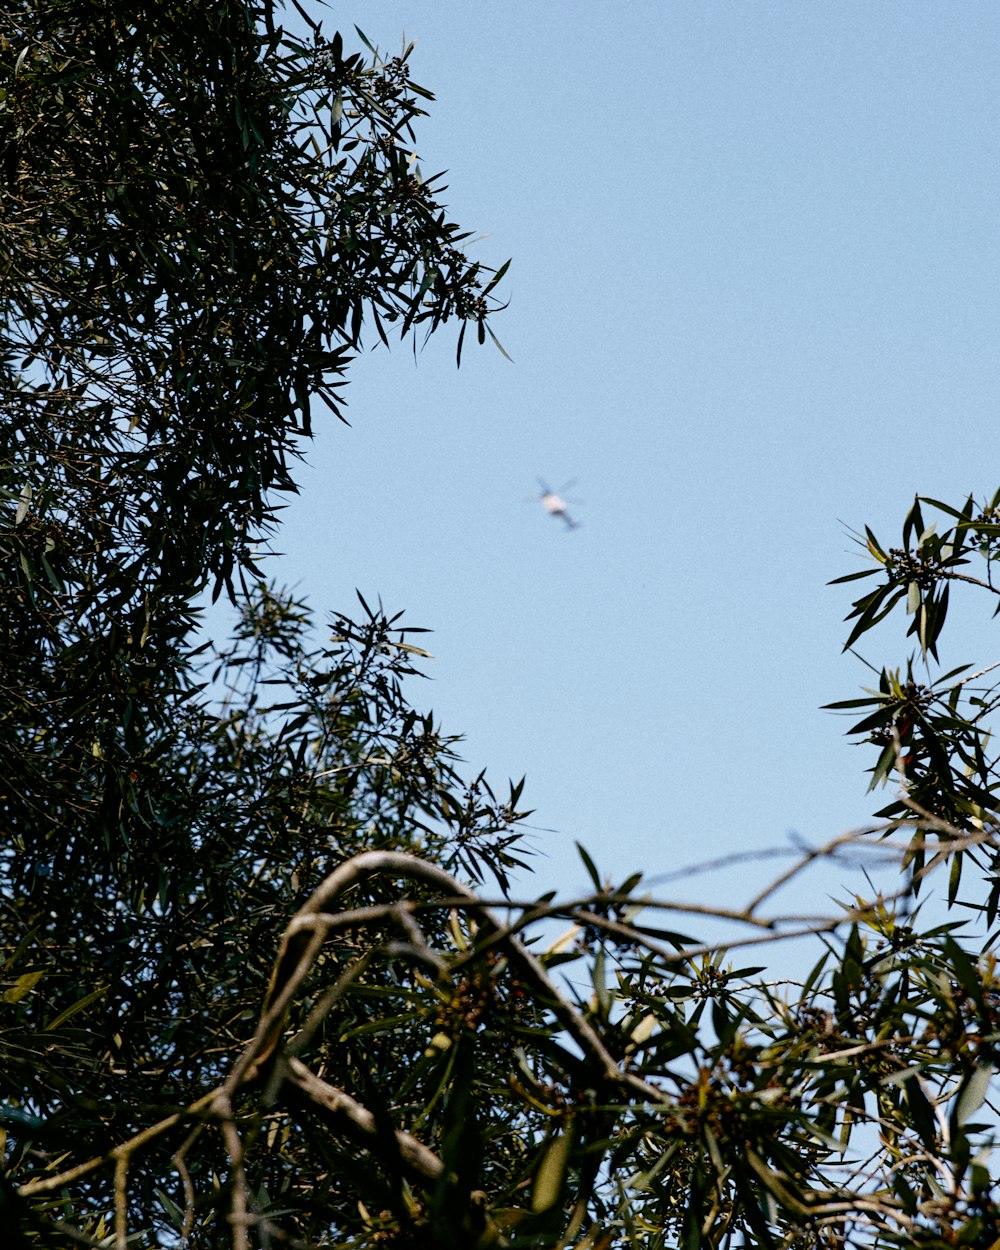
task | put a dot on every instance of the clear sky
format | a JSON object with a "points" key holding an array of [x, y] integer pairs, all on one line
{"points": [[754, 300]]}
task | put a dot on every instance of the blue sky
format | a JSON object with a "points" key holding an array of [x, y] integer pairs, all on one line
{"points": [[754, 300]]}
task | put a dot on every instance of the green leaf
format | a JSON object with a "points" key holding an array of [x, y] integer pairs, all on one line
{"points": [[499, 346], [588, 863], [914, 522], [21, 987], [364, 39], [954, 877], [551, 1172], [974, 1092], [24, 505], [79, 1005], [694, 1211], [497, 278], [943, 507], [884, 766], [629, 884], [853, 577], [921, 1114], [870, 618], [601, 991], [874, 548]]}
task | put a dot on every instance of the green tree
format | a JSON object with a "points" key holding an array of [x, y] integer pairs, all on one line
{"points": [[264, 982], [201, 212]]}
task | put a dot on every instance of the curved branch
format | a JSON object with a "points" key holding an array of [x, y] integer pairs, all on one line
{"points": [[305, 934], [360, 1123]]}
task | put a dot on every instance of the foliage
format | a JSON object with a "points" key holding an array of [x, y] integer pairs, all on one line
{"points": [[200, 213], [142, 992], [255, 991], [935, 733]]}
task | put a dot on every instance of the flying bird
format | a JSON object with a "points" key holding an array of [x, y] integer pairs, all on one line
{"points": [[554, 504]]}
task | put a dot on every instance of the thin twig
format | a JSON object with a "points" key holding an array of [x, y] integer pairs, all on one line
{"points": [[964, 577], [121, 1202]]}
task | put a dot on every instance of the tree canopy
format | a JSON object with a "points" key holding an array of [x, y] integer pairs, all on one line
{"points": [[268, 979]]}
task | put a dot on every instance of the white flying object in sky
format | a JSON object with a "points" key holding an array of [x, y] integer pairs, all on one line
{"points": [[555, 505]]}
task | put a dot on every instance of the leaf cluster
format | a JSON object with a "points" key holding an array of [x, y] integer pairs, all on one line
{"points": [[933, 732]]}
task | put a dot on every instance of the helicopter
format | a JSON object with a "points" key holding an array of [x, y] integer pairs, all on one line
{"points": [[555, 505]]}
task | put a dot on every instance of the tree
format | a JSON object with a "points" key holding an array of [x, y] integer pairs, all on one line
{"points": [[264, 979], [180, 190]]}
